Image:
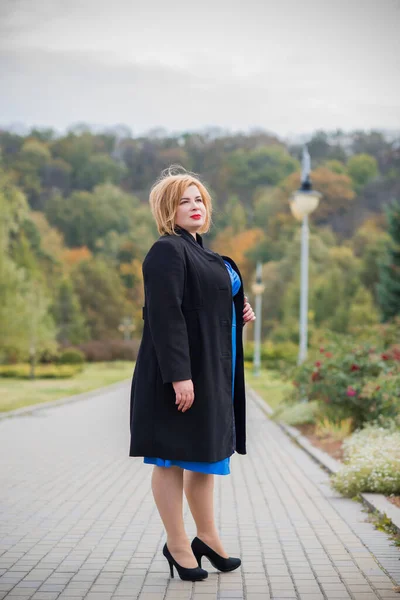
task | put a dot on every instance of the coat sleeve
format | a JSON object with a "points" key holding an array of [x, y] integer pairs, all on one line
{"points": [[164, 279]]}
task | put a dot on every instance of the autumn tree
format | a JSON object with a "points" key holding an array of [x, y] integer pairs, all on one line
{"points": [[238, 247], [336, 189]]}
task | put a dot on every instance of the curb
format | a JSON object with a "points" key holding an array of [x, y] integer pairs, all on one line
{"points": [[27, 410], [374, 502]]}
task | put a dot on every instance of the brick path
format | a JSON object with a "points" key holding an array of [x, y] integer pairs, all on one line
{"points": [[77, 518]]}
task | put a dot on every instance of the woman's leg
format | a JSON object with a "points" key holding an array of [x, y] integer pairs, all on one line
{"points": [[167, 486], [199, 491]]}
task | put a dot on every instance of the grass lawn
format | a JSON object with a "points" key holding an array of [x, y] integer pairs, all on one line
{"points": [[268, 385], [15, 393]]}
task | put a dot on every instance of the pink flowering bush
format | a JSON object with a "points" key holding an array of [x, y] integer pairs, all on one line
{"points": [[351, 380]]}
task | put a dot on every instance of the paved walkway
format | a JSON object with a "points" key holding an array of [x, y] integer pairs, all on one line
{"points": [[77, 518]]}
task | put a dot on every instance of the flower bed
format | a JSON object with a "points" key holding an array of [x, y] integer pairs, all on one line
{"points": [[370, 457], [357, 382]]}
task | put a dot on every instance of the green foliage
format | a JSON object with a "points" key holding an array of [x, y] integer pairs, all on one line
{"points": [[362, 168], [336, 166], [86, 217], [261, 166], [23, 371], [389, 286], [43, 300], [99, 169], [24, 320], [67, 313], [298, 414], [102, 297], [36, 152], [353, 380], [370, 244], [273, 355], [362, 310], [71, 356]]}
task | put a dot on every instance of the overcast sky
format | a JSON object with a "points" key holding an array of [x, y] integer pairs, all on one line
{"points": [[288, 66]]}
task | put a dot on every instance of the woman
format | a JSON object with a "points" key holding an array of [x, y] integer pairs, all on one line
{"points": [[188, 395]]}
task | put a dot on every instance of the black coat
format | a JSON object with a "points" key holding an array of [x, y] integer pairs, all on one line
{"points": [[187, 335]]}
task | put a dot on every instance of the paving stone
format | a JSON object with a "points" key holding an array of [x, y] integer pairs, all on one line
{"points": [[87, 528]]}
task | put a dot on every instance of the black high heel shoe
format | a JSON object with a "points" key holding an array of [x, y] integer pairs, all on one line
{"points": [[195, 574], [201, 549]]}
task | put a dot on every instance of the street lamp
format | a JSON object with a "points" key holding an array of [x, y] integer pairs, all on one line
{"points": [[302, 203], [257, 288]]}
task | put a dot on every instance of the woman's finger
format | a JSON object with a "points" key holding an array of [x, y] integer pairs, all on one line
{"points": [[250, 317], [187, 403], [181, 401]]}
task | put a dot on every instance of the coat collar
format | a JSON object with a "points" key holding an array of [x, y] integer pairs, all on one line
{"points": [[188, 236]]}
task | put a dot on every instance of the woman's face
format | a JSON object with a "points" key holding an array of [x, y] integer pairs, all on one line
{"points": [[191, 212]]}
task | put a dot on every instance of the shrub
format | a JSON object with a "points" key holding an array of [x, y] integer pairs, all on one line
{"points": [[352, 381], [106, 350], [22, 371], [372, 463], [337, 430], [298, 414], [279, 355], [273, 356], [71, 356]]}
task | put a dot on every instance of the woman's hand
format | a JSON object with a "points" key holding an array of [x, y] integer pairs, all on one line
{"points": [[248, 312], [184, 392]]}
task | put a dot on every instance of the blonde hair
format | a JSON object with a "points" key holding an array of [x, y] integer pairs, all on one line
{"points": [[165, 196]]}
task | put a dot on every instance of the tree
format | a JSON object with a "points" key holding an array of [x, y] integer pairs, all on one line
{"points": [[260, 167], [238, 247], [102, 297], [336, 188], [389, 286], [84, 217], [369, 244], [336, 166], [67, 313], [362, 169], [25, 325], [29, 166], [99, 168], [363, 310]]}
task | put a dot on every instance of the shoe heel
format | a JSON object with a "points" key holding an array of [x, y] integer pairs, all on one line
{"points": [[200, 549], [193, 574], [198, 557], [171, 568]]}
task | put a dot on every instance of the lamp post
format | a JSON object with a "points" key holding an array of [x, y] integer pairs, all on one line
{"points": [[302, 203], [257, 288]]}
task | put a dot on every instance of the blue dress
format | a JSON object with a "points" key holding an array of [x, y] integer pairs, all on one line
{"points": [[221, 467]]}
